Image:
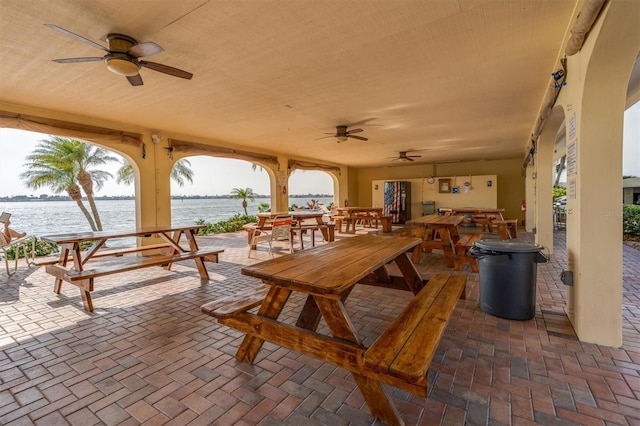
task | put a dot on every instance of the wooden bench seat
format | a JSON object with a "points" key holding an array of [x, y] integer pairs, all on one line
{"points": [[463, 245], [507, 228], [367, 219], [349, 224], [405, 349], [229, 306], [124, 265]]}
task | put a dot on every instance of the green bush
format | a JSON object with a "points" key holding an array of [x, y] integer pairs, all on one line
{"points": [[43, 248], [232, 224], [558, 191], [631, 219]]}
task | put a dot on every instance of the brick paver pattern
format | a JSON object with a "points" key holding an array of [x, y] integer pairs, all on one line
{"points": [[147, 355]]}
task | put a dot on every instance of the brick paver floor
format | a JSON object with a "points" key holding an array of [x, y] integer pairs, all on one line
{"points": [[147, 355]]}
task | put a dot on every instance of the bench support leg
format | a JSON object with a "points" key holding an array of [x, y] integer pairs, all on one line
{"points": [[270, 308], [309, 317], [377, 400], [86, 299]]}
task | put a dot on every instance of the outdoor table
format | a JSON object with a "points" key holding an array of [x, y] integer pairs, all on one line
{"points": [[326, 275], [300, 216], [81, 271], [352, 214], [447, 229]]}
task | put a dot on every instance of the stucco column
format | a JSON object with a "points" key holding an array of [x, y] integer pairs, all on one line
{"points": [[594, 105], [544, 185], [280, 186], [153, 187], [530, 198]]}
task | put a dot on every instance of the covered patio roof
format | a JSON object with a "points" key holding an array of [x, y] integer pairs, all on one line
{"points": [[460, 80]]}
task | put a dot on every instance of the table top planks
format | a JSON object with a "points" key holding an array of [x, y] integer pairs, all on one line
{"points": [[332, 268], [436, 220], [78, 237]]}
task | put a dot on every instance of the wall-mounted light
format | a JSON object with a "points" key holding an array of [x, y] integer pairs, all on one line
{"points": [[169, 151]]}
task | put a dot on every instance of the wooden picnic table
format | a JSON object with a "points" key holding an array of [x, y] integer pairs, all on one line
{"points": [[478, 211], [326, 275], [300, 216], [439, 232], [352, 214], [76, 267]]}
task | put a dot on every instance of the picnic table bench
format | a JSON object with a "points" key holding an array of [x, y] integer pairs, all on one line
{"points": [[77, 267], [401, 355], [463, 247]]}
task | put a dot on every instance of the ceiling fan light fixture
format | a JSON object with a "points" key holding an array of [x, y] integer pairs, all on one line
{"points": [[342, 138], [122, 65]]}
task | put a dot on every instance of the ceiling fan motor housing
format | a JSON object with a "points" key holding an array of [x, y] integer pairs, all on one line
{"points": [[120, 42], [122, 64], [118, 61]]}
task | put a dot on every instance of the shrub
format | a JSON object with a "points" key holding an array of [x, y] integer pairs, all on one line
{"points": [[558, 191], [631, 219], [43, 248], [232, 224]]}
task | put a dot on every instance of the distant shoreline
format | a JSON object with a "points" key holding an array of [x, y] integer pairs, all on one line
{"points": [[24, 198]]}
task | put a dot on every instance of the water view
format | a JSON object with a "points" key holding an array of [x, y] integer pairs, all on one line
{"points": [[53, 217]]}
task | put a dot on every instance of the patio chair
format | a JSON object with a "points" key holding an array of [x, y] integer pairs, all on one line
{"points": [[328, 214], [279, 229], [17, 244]]}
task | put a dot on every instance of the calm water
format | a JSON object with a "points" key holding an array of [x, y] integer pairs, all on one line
{"points": [[54, 217]]}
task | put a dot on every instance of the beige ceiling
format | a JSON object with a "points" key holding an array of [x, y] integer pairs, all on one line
{"points": [[459, 79]]}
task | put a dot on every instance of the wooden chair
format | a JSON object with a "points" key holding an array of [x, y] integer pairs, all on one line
{"points": [[279, 229], [17, 244]]}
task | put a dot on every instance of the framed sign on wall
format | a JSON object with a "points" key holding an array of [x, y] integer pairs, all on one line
{"points": [[444, 185]]}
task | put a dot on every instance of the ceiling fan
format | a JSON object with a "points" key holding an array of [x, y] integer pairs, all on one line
{"points": [[402, 156], [342, 134], [123, 56]]}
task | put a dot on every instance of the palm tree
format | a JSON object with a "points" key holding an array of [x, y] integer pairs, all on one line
{"points": [[86, 156], [180, 171], [243, 194], [60, 163]]}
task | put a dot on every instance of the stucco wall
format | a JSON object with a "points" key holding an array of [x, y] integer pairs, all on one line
{"points": [[510, 181]]}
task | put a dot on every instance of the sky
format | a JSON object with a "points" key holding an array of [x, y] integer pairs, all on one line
{"points": [[218, 176]]}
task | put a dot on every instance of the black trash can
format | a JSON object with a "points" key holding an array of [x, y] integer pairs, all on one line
{"points": [[507, 272]]}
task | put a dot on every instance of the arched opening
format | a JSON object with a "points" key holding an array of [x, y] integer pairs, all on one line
{"points": [[208, 197], [308, 185], [45, 210]]}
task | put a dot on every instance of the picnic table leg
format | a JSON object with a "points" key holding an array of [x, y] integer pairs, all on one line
{"points": [[448, 248], [309, 317], [85, 292], [377, 400], [193, 245], [85, 286], [409, 273], [334, 314], [270, 308], [64, 255], [420, 233], [326, 233]]}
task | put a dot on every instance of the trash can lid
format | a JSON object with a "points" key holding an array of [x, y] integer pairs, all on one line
{"points": [[508, 246]]}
